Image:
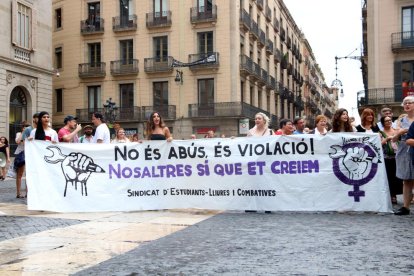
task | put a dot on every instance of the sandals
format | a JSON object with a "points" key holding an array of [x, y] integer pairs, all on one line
{"points": [[19, 196], [1, 178]]}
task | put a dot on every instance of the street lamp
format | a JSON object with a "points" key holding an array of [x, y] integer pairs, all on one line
{"points": [[179, 77], [111, 110]]}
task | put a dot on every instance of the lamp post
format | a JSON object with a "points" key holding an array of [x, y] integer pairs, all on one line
{"points": [[179, 77], [111, 111]]}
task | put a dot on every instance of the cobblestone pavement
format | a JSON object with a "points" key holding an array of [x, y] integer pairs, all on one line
{"points": [[279, 244], [229, 243]]}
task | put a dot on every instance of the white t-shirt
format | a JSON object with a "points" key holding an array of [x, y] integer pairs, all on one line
{"points": [[50, 135], [20, 147], [102, 133]]}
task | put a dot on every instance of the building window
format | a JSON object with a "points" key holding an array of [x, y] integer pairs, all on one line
{"points": [[160, 8], [161, 48], [94, 14], [126, 95], [58, 18], [23, 26], [160, 95], [94, 54], [126, 48], [58, 57], [260, 99], [205, 91], [205, 42], [124, 11], [59, 100], [205, 6], [94, 98]]}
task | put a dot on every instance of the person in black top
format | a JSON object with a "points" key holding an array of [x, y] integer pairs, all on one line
{"points": [[156, 129], [368, 122]]}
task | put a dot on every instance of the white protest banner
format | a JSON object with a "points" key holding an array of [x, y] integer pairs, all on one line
{"points": [[336, 172]]}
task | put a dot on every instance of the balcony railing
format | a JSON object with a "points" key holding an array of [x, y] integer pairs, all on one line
{"points": [[95, 26], [277, 55], [225, 109], [276, 26], [380, 96], [282, 34], [259, 4], [271, 83], [201, 14], [246, 65], [254, 30], [158, 19], [268, 13], [201, 60], [92, 70], [257, 72], [244, 21], [402, 41], [124, 67], [168, 112], [22, 55], [158, 64], [262, 39], [262, 81], [124, 23], [124, 114]]}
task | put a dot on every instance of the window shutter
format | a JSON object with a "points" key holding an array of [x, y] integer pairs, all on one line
{"points": [[34, 30], [398, 92], [14, 23]]}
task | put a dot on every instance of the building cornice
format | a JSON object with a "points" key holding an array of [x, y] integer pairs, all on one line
{"points": [[26, 66]]}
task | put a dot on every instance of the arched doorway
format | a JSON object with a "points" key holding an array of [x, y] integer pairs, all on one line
{"points": [[18, 113]]}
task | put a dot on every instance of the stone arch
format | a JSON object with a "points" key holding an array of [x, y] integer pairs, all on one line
{"points": [[19, 108]]}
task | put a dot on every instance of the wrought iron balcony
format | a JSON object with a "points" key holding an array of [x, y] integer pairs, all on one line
{"points": [[277, 55], [299, 104], [246, 65], [124, 67], [262, 39], [158, 19], [328, 113], [257, 72], [259, 4], [254, 30], [95, 26], [402, 41], [244, 21], [124, 23], [224, 109], [271, 83], [380, 96], [262, 81], [168, 112], [282, 34], [201, 14], [158, 64], [92, 70], [289, 43], [289, 69], [274, 122], [276, 23], [269, 47], [268, 13], [123, 114], [204, 60]]}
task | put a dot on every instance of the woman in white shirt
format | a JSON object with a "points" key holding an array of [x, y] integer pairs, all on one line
{"points": [[44, 131], [320, 128], [120, 137]]}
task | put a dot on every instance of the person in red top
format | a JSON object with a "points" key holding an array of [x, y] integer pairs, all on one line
{"points": [[69, 133]]}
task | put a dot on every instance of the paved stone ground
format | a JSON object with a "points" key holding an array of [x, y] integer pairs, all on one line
{"points": [[17, 226], [279, 244]]}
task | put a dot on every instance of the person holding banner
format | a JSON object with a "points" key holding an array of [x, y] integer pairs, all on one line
{"points": [[320, 128], [120, 137], [405, 168], [156, 129], [368, 124], [43, 131], [286, 127], [341, 122], [261, 127]]}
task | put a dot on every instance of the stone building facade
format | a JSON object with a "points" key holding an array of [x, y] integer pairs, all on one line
{"points": [[25, 62], [239, 58]]}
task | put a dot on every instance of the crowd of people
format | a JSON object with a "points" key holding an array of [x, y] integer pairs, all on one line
{"points": [[397, 139]]}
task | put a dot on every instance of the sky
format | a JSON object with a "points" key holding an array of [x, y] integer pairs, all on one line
{"points": [[334, 28]]}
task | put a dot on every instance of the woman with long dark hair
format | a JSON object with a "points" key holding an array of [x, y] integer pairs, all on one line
{"points": [[44, 131], [156, 128], [341, 122]]}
